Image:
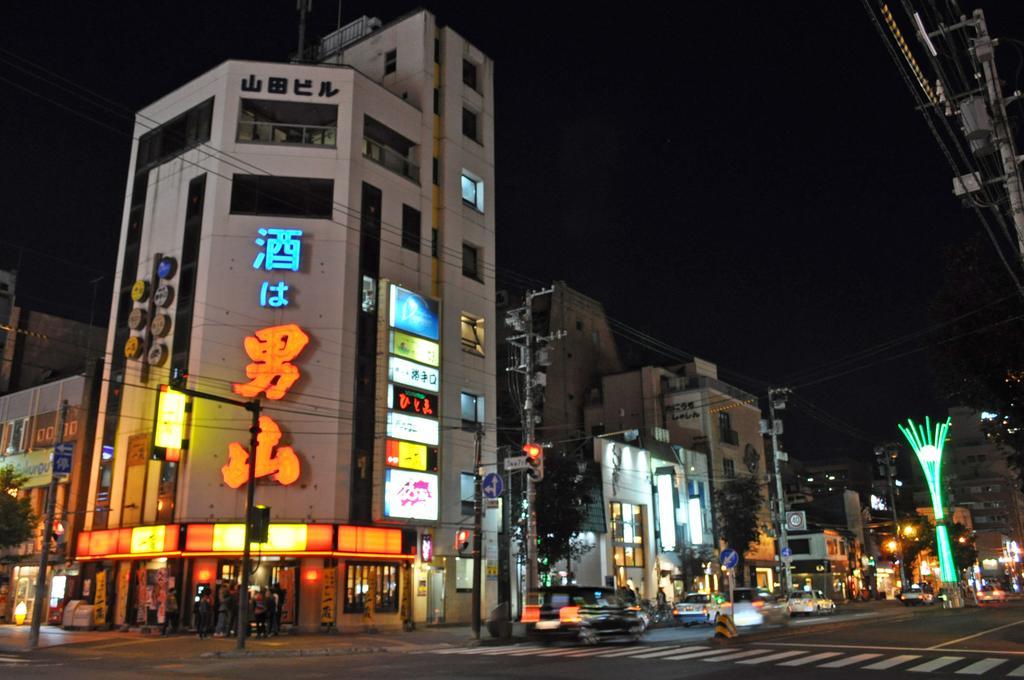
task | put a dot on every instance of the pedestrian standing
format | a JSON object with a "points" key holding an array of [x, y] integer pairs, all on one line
{"points": [[279, 595], [270, 599], [233, 609], [171, 613], [223, 612], [259, 610], [203, 612]]}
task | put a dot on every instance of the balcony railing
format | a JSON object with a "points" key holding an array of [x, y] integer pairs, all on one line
{"points": [[390, 159], [286, 133]]}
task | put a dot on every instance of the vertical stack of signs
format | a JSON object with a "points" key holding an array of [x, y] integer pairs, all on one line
{"points": [[413, 426]]}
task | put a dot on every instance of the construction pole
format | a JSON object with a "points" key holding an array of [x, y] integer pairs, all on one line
{"points": [[44, 553], [478, 525], [984, 51], [787, 576], [250, 498]]}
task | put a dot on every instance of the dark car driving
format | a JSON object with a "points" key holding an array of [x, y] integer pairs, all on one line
{"points": [[580, 613]]}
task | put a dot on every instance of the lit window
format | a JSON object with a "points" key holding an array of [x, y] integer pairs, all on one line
{"points": [[358, 580], [471, 262], [628, 534], [279, 122], [467, 492], [472, 333], [472, 410], [463, 574], [472, 191], [390, 61]]}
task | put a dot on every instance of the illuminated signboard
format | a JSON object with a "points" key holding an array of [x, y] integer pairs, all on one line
{"points": [[414, 313], [410, 456], [696, 516], [666, 510], [148, 539], [170, 419], [413, 428], [412, 401], [417, 349], [410, 495], [412, 374], [280, 250]]}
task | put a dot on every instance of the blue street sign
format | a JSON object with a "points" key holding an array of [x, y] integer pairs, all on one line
{"points": [[786, 552], [62, 459], [493, 485], [729, 558]]}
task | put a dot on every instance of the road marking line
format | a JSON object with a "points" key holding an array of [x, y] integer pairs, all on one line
{"points": [[979, 667], [772, 657], [526, 651], [737, 655], [627, 652], [849, 661], [592, 652], [810, 659], [1016, 673], [935, 664], [696, 655], [984, 632], [558, 652], [886, 664], [665, 651], [889, 649]]}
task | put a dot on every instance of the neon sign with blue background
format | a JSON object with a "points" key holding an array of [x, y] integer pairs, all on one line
{"points": [[414, 313]]}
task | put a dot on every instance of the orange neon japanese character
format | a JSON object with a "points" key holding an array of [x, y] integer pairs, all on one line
{"points": [[280, 463], [270, 350]]}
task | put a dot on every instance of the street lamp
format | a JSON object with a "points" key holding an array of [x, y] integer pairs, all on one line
{"points": [[927, 442]]}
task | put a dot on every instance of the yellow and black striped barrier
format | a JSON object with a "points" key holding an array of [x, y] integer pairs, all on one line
{"points": [[724, 627]]}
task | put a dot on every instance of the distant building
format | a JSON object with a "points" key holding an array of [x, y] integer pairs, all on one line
{"points": [[836, 475]]}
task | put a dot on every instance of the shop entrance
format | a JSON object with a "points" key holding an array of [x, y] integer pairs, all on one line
{"points": [[435, 596], [277, 575]]}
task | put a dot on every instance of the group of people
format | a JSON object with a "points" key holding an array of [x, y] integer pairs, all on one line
{"points": [[219, 617]]}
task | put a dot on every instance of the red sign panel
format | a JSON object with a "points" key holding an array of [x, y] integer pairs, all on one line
{"points": [[411, 401]]}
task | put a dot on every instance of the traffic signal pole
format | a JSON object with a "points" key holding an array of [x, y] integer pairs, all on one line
{"points": [[787, 576], [478, 525]]}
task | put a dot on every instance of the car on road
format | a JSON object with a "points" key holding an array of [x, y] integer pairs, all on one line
{"points": [[753, 607], [580, 614], [809, 602], [698, 608], [917, 593], [991, 594]]}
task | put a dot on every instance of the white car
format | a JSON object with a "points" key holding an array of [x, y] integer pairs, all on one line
{"points": [[809, 602]]}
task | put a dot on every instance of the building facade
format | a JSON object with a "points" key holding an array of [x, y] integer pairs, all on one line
{"points": [[319, 237]]}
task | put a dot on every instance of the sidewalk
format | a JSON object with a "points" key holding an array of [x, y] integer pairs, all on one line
{"points": [[184, 645]]}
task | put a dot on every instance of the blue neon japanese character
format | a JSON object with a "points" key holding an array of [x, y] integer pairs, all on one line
{"points": [[273, 294], [282, 249]]}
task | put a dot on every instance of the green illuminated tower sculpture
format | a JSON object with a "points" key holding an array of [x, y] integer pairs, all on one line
{"points": [[927, 443]]}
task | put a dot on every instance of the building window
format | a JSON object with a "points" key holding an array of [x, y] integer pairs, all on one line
{"points": [[282, 196], [472, 191], [384, 146], [390, 61], [628, 534], [437, 51], [471, 125], [410, 228], [729, 468], [433, 242], [177, 135], [279, 122], [362, 578], [435, 169], [471, 262], [18, 430], [467, 492], [437, 102], [472, 410], [463, 574], [726, 434], [472, 334], [469, 73]]}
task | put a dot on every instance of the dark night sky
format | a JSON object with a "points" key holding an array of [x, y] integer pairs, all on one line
{"points": [[748, 182]]}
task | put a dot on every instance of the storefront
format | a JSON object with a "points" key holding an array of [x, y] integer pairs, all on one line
{"points": [[325, 576]]}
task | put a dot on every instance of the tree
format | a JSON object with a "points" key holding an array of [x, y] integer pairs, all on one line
{"points": [[17, 521], [980, 363], [738, 504], [563, 500]]}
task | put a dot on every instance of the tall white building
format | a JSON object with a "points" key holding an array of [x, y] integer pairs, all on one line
{"points": [[320, 237]]}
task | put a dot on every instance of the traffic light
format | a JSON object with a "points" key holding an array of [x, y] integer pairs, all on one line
{"points": [[535, 458], [462, 537], [259, 524]]}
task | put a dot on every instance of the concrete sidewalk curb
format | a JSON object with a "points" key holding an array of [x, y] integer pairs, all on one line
{"points": [[315, 651]]}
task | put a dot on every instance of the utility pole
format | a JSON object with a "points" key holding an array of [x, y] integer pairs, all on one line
{"points": [[44, 553], [777, 401], [887, 456], [478, 525], [527, 343], [304, 7]]}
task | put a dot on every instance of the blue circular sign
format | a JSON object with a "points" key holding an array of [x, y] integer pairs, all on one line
{"points": [[493, 485], [786, 552], [165, 268], [729, 558]]}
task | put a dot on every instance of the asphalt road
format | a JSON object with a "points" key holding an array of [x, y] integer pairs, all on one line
{"points": [[885, 643]]}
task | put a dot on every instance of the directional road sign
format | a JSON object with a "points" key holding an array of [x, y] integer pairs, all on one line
{"points": [[517, 463], [786, 552], [62, 459], [730, 558], [493, 485]]}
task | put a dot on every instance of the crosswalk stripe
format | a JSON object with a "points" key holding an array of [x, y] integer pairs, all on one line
{"points": [[810, 659], [664, 651], [12, 659], [697, 655], [886, 664], [628, 652], [590, 651], [530, 651], [935, 664], [1016, 673], [983, 666], [736, 655], [772, 657], [849, 661]]}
